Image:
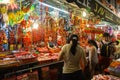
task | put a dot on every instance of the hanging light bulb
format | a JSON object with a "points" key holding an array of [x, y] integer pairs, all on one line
{"points": [[35, 25], [84, 14], [54, 7]]}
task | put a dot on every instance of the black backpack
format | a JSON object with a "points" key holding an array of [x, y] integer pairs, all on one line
{"points": [[106, 49]]}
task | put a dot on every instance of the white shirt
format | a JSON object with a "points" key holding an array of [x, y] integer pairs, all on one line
{"points": [[93, 57]]}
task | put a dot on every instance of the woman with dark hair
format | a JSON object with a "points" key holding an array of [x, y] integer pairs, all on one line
{"points": [[93, 57], [72, 53]]}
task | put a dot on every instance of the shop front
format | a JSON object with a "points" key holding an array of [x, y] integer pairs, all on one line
{"points": [[33, 32]]}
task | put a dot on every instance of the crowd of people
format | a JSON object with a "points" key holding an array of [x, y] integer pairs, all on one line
{"points": [[100, 55]]}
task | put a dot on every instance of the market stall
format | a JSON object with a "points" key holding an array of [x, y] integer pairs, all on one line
{"points": [[33, 32]]}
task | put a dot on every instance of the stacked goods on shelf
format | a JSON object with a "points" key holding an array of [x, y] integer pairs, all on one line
{"points": [[2, 55], [25, 57], [8, 60], [47, 57], [42, 54], [114, 68], [55, 50], [43, 49], [3, 39], [105, 77]]}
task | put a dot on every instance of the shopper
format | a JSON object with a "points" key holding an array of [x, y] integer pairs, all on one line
{"points": [[107, 49], [72, 53], [51, 44], [117, 49], [93, 56]]}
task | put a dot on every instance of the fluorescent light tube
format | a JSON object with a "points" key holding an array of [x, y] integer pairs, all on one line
{"points": [[54, 7]]}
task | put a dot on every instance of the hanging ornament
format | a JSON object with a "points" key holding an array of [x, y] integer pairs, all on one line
{"points": [[11, 16], [23, 23], [12, 5], [11, 22], [32, 7], [3, 9], [25, 8], [26, 17], [19, 16], [5, 18]]}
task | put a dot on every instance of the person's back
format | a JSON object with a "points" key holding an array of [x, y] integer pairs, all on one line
{"points": [[72, 62], [107, 49], [93, 57], [72, 53]]}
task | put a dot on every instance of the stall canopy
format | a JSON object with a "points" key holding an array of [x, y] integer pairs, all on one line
{"points": [[98, 9]]}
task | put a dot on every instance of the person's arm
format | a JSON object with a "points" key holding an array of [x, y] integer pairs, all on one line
{"points": [[91, 53], [84, 57], [61, 54], [48, 45], [83, 60]]}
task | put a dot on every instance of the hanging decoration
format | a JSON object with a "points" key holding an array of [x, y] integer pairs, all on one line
{"points": [[93, 30], [26, 5], [3, 8], [15, 18], [12, 6]]}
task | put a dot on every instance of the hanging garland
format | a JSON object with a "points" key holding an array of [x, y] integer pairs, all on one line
{"points": [[93, 30]]}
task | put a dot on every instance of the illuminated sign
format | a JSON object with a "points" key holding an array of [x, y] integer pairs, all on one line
{"points": [[102, 11], [98, 9]]}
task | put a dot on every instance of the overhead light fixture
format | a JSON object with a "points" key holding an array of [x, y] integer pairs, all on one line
{"points": [[54, 7], [35, 25], [100, 25], [84, 14], [88, 25]]}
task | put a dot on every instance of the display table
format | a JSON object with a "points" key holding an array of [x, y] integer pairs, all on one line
{"points": [[114, 68], [7, 72]]}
